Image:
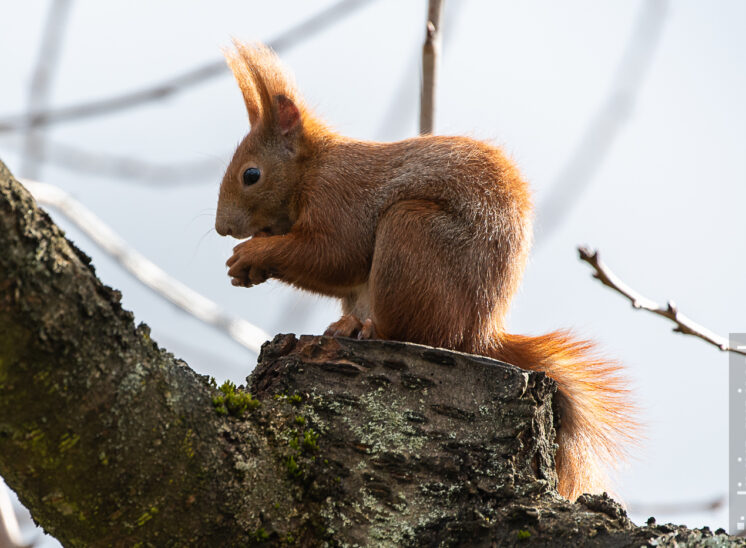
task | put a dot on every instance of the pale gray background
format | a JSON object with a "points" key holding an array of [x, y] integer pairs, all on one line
{"points": [[665, 207]]}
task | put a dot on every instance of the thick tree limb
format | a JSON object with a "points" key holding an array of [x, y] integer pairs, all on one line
{"points": [[670, 311], [111, 441], [102, 432]]}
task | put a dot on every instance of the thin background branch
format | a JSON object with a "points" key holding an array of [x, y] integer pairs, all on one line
{"points": [[41, 83], [149, 274], [670, 311], [117, 166], [598, 138], [430, 58], [289, 38], [10, 532]]}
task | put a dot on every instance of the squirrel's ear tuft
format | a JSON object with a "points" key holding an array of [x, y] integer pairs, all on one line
{"points": [[240, 69], [268, 89], [288, 114]]}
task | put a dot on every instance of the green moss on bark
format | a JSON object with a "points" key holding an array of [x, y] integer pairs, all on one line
{"points": [[233, 401]]}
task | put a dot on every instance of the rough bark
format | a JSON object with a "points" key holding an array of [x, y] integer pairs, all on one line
{"points": [[110, 440]]}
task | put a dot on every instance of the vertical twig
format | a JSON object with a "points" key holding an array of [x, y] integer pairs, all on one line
{"points": [[395, 120], [41, 80], [430, 54]]}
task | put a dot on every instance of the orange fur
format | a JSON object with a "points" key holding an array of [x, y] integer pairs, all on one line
{"points": [[422, 240], [595, 414]]}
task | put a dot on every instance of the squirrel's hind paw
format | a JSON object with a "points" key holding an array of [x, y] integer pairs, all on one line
{"points": [[368, 330], [346, 326], [350, 326]]}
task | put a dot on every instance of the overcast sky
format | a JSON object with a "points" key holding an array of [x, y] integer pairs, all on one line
{"points": [[663, 203]]}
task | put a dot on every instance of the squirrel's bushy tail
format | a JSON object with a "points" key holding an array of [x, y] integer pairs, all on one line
{"points": [[597, 418]]}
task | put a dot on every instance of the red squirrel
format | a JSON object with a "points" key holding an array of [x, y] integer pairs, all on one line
{"points": [[423, 240]]}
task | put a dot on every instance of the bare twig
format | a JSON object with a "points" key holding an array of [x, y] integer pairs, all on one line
{"points": [[430, 54], [683, 324], [41, 82], [404, 100], [145, 271], [599, 136], [176, 84]]}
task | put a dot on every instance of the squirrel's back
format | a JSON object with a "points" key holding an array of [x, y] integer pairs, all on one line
{"points": [[487, 204]]}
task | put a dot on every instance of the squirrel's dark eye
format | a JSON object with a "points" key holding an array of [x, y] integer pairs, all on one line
{"points": [[251, 176]]}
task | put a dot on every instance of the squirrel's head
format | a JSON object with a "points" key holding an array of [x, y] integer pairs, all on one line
{"points": [[258, 191]]}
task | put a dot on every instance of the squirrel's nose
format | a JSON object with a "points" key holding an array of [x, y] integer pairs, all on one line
{"points": [[223, 229]]}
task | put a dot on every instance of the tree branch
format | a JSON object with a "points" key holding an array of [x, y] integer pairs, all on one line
{"points": [[404, 99], [102, 432], [670, 311], [430, 55]]}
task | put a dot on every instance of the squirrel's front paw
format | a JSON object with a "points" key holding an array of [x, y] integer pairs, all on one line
{"points": [[253, 276], [243, 270]]}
